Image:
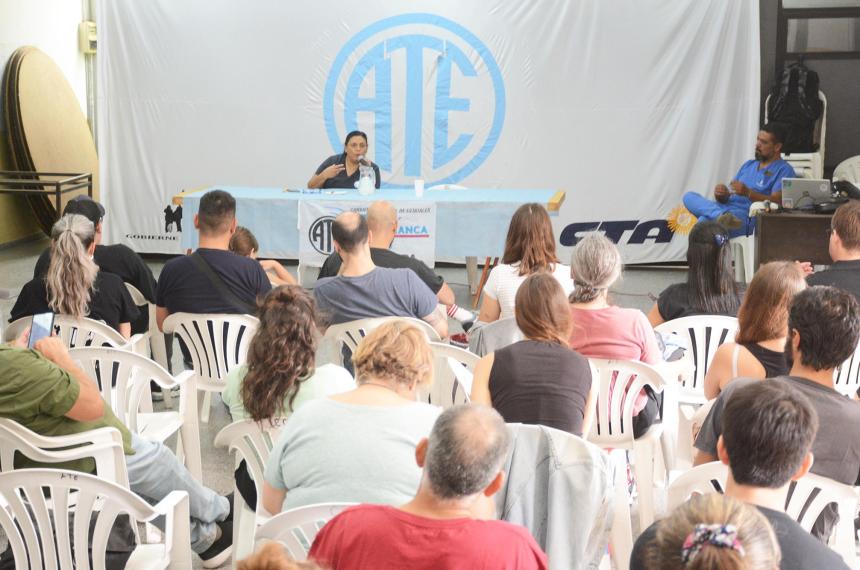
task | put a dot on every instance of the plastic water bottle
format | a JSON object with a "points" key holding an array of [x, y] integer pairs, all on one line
{"points": [[366, 177]]}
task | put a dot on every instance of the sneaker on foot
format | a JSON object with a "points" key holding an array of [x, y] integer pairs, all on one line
{"points": [[220, 551], [730, 221]]}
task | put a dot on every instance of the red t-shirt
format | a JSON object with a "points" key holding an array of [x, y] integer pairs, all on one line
{"points": [[378, 536]]}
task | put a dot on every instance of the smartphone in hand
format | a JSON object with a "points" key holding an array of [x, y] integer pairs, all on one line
{"points": [[42, 326]]}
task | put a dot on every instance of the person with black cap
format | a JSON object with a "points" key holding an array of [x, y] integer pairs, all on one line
{"points": [[118, 259]]}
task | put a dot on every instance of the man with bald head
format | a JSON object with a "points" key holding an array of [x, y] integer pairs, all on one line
{"points": [[382, 225], [440, 527], [362, 290]]}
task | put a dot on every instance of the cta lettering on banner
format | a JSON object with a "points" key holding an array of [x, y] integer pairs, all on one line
{"points": [[415, 235]]}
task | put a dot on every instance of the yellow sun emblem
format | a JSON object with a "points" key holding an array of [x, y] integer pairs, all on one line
{"points": [[681, 221]]}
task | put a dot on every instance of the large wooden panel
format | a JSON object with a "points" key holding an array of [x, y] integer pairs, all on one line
{"points": [[788, 236]]}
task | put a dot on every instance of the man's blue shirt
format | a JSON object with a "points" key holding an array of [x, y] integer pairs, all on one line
{"points": [[762, 180]]}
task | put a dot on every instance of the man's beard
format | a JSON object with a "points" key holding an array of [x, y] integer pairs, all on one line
{"points": [[758, 156]]}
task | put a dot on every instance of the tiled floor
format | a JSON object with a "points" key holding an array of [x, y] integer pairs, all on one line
{"points": [[638, 289]]}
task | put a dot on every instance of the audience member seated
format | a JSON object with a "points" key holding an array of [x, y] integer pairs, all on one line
{"points": [[273, 556], [440, 528], [759, 347], [244, 243], [767, 436], [280, 376], [602, 330], [118, 259], [212, 279], [73, 284], [539, 380], [712, 531], [45, 391], [844, 249], [824, 327], [363, 290], [529, 248], [710, 288], [382, 226], [358, 446]]}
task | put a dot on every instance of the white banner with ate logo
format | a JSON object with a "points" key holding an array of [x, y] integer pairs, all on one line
{"points": [[416, 229]]}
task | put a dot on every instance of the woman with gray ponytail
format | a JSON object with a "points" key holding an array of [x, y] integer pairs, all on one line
{"points": [[602, 330], [74, 285]]}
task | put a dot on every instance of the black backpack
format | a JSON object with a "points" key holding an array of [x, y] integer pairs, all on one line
{"points": [[794, 102]]}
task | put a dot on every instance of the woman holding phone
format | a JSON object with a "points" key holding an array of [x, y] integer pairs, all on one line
{"points": [[74, 285], [343, 170]]}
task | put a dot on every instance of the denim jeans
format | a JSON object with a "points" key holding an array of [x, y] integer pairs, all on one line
{"points": [[154, 471], [709, 210]]}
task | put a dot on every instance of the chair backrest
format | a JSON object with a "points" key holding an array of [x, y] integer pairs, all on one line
{"points": [[32, 516], [810, 495], [123, 378], [700, 480], [490, 337], [452, 376], [702, 336], [297, 528], [217, 343], [846, 378], [848, 169], [253, 444], [74, 332], [104, 445], [349, 335], [619, 381]]}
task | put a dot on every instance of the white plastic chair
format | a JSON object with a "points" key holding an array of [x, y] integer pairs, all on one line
{"points": [[350, 334], [846, 378], [124, 378], [103, 445], [248, 441], [613, 424], [848, 169], [452, 376], [743, 248], [297, 528], [701, 480], [621, 532], [217, 343], [702, 335], [82, 332], [157, 344], [27, 521], [809, 164]]}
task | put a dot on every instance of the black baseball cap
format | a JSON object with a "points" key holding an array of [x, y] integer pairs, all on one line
{"points": [[87, 207]]}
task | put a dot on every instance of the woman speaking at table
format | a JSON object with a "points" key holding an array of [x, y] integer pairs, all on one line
{"points": [[343, 170]]}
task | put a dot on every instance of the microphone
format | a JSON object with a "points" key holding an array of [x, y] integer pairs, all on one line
{"points": [[362, 160]]}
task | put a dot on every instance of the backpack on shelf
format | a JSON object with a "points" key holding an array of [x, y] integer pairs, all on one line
{"points": [[794, 102]]}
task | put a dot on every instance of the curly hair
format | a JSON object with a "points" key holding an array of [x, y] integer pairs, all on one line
{"points": [[281, 354]]}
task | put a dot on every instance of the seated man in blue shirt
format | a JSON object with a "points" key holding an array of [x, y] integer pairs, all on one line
{"points": [[756, 181]]}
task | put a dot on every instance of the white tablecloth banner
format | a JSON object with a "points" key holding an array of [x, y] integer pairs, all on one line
{"points": [[416, 229], [624, 104]]}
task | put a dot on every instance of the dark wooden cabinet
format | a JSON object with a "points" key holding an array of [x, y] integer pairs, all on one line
{"points": [[792, 236]]}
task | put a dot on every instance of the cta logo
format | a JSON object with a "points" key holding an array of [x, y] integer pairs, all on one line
{"points": [[413, 82], [637, 232], [319, 235]]}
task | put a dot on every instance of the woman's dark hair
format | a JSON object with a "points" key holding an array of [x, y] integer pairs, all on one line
{"points": [[541, 309], [281, 354], [530, 241], [354, 134], [243, 242], [710, 280]]}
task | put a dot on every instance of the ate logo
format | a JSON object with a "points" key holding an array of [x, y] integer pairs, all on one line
{"points": [[428, 92], [319, 235]]}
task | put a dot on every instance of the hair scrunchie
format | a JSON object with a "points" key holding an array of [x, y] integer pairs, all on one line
{"points": [[721, 536], [720, 240]]}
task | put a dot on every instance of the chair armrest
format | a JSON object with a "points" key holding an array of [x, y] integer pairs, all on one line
{"points": [[100, 435], [138, 344], [177, 531]]}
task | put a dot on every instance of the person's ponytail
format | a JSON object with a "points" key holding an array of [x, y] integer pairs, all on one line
{"points": [[71, 273]]}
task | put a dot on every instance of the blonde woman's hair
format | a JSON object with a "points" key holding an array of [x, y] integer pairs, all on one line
{"points": [[71, 273], [396, 353], [595, 266], [755, 545]]}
